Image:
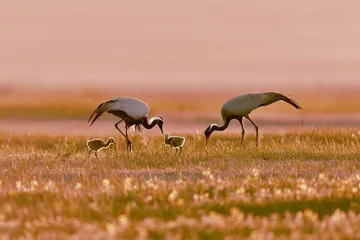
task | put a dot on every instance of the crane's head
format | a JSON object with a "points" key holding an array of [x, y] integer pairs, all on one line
{"points": [[159, 121], [208, 131], [152, 122]]}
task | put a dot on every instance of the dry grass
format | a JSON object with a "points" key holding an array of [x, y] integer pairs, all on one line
{"points": [[295, 185]]}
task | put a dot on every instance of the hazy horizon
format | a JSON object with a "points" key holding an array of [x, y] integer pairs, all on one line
{"points": [[187, 44]]}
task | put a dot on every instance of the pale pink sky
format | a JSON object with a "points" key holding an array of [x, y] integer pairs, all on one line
{"points": [[187, 43]]}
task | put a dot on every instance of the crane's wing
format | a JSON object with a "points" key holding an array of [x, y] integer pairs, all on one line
{"points": [[244, 104], [271, 97], [133, 107]]}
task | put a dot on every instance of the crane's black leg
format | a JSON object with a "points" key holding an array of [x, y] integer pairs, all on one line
{"points": [[256, 129], [242, 127], [129, 142], [126, 138]]}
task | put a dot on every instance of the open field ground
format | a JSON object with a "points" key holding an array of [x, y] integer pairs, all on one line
{"points": [[296, 185], [67, 112], [197, 105]]}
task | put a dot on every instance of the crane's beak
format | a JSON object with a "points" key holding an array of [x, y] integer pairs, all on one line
{"points": [[207, 136], [161, 129]]}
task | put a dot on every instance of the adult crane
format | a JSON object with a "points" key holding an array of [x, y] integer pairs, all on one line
{"points": [[131, 111], [241, 106]]}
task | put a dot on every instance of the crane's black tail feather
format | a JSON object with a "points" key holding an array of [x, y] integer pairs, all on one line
{"points": [[95, 111], [103, 107], [279, 96]]}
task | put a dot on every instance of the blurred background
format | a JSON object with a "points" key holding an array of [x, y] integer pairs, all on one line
{"points": [[59, 60]]}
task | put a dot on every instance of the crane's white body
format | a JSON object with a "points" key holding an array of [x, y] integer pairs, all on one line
{"points": [[133, 107], [244, 104]]}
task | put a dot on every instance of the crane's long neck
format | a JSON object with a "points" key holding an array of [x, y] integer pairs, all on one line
{"points": [[223, 127], [215, 127], [149, 124]]}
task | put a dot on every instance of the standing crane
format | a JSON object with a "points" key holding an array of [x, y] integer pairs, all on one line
{"points": [[241, 106], [131, 111]]}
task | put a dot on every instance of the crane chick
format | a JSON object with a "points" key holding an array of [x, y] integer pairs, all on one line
{"points": [[97, 144], [176, 142]]}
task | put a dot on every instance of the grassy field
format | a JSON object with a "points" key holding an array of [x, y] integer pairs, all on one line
{"points": [[295, 185]]}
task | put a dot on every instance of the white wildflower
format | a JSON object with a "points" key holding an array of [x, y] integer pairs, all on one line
{"points": [[123, 221], [172, 196], [78, 186], [106, 184], [18, 185], [128, 184], [111, 228]]}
